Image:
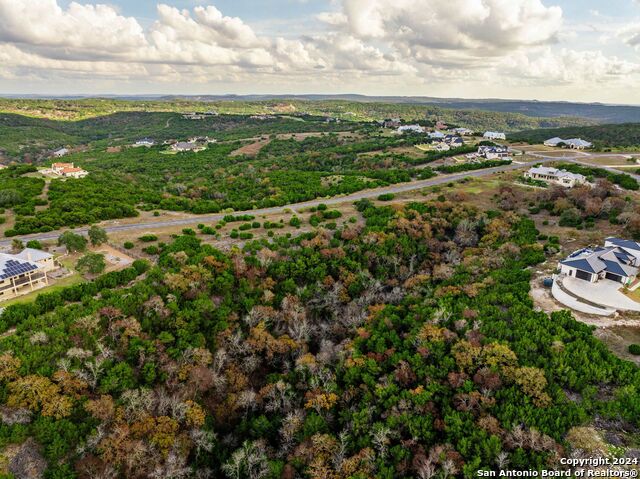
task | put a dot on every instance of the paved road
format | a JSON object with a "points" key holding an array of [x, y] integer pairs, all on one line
{"points": [[540, 156], [372, 193]]}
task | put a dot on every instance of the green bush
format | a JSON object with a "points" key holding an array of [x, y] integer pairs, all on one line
{"points": [[128, 245], [148, 238], [634, 349], [386, 197]]}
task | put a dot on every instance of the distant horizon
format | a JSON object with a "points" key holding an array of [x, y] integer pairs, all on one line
{"points": [[551, 50], [47, 96]]}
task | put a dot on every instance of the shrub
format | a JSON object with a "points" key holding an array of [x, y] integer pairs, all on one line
{"points": [[386, 197], [128, 245], [634, 349], [148, 238], [295, 222]]}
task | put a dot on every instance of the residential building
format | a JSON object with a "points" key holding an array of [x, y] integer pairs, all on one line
{"points": [[391, 122], [182, 146], [632, 247], [148, 142], [494, 135], [594, 264], [41, 258], [578, 143], [553, 175], [68, 170], [463, 131], [555, 141], [436, 135], [454, 141], [19, 276], [410, 128], [60, 153], [494, 152], [573, 143]]}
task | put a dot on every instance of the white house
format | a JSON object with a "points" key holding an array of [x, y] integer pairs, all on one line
{"points": [[555, 141], [67, 170], [593, 264], [188, 146], [19, 276], [632, 247], [494, 135], [573, 143], [41, 258], [494, 152], [60, 153], [410, 128], [578, 143], [436, 135], [553, 175], [463, 131], [148, 142]]}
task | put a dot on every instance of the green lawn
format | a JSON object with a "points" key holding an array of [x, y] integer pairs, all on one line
{"points": [[75, 278]]}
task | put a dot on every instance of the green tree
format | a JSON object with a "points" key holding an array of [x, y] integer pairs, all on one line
{"points": [[35, 244], [92, 263], [97, 235], [72, 241]]}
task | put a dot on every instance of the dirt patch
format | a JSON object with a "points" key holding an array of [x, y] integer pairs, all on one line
{"points": [[252, 149], [114, 258]]}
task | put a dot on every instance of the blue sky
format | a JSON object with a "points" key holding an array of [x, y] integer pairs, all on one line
{"points": [[542, 49]]}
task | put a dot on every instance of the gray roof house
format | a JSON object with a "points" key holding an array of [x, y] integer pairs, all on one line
{"points": [[593, 264]]}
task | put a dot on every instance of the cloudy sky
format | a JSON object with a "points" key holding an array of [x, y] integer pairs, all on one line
{"points": [[580, 50]]}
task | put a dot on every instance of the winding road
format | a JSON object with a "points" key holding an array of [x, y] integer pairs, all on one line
{"points": [[371, 193]]}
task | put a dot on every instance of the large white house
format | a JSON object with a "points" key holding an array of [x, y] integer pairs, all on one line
{"points": [[24, 272], [436, 135], [410, 128], [494, 152], [494, 135], [555, 176], [60, 153], [573, 143], [68, 170], [610, 262]]}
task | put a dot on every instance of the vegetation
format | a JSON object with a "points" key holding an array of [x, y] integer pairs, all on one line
{"points": [[393, 349], [603, 137], [72, 241], [91, 263], [473, 166], [623, 180]]}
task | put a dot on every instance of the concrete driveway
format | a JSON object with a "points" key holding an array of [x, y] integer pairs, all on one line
{"points": [[604, 292]]}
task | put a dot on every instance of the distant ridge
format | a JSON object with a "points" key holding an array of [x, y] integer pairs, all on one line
{"points": [[600, 112]]}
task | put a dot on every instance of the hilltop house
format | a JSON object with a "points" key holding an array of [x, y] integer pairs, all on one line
{"points": [[182, 146], [494, 135], [67, 170], [555, 176], [20, 275], [410, 128], [148, 142], [610, 262], [494, 152], [60, 153], [573, 143]]}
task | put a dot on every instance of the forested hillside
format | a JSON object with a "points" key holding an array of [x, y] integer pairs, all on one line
{"points": [[408, 347], [621, 136]]}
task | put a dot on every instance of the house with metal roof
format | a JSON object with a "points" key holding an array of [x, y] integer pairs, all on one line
{"points": [[494, 152], [19, 276], [574, 143], [594, 264], [554, 175], [494, 135]]}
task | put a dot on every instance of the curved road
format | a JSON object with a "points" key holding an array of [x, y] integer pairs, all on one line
{"points": [[372, 193]]}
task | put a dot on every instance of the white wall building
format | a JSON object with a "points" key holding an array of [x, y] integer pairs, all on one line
{"points": [[555, 176], [593, 264], [494, 135]]}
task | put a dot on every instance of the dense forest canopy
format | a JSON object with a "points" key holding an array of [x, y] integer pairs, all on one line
{"points": [[405, 347]]}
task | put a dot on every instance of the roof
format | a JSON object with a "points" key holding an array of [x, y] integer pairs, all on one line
{"points": [[623, 243], [11, 265], [549, 171], [62, 165], [578, 142], [555, 140], [31, 254], [611, 259], [72, 170]]}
